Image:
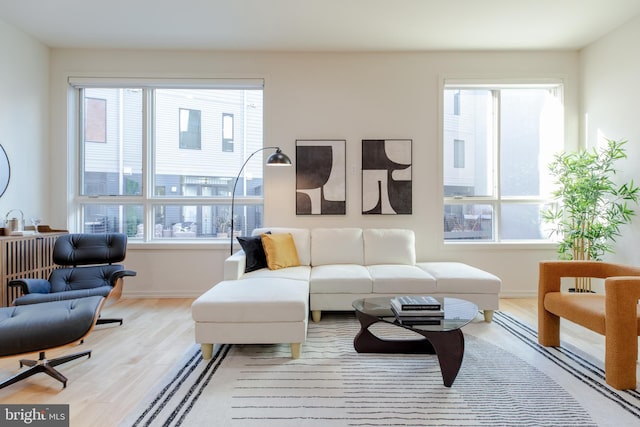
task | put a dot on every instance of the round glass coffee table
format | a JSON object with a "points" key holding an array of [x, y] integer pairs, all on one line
{"points": [[443, 337]]}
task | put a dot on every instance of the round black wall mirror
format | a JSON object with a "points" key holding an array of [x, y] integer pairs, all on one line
{"points": [[5, 170]]}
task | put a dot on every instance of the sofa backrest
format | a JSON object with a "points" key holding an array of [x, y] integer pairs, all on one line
{"points": [[301, 237], [389, 246], [370, 246], [337, 246]]}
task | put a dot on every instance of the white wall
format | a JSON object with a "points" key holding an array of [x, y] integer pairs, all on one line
{"points": [[610, 106], [315, 96], [24, 112]]}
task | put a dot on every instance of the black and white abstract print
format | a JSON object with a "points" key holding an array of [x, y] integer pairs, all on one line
{"points": [[386, 176], [320, 177]]}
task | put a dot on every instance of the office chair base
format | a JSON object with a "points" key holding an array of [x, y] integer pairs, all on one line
{"points": [[44, 365]]}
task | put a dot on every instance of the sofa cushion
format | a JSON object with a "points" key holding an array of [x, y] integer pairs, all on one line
{"points": [[401, 279], [280, 250], [254, 252], [389, 246], [253, 300], [301, 237], [456, 277], [337, 246], [340, 278]]}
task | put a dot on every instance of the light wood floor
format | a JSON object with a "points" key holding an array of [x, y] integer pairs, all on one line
{"points": [[128, 360]]}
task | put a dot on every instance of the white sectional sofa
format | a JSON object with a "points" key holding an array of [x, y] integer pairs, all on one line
{"points": [[341, 265], [336, 267]]}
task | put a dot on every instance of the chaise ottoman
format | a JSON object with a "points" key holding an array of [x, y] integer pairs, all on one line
{"points": [[252, 311]]}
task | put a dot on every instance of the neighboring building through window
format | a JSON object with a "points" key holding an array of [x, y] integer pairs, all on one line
{"points": [[181, 188], [496, 153], [456, 103], [190, 128], [458, 153], [227, 132], [95, 124]]}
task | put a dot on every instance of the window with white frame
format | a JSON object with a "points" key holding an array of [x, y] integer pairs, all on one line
{"points": [[497, 142], [162, 171]]}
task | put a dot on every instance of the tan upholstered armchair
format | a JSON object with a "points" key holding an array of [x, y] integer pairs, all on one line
{"points": [[614, 314]]}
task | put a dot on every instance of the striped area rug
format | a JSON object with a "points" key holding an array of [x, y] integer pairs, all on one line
{"points": [[506, 379]]}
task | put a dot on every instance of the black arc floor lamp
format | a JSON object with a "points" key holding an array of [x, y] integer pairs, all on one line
{"points": [[276, 159]]}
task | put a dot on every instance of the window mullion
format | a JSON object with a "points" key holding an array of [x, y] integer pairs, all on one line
{"points": [[80, 138], [497, 211], [148, 164]]}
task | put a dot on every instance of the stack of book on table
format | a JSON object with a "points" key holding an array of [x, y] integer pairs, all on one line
{"points": [[417, 310]]}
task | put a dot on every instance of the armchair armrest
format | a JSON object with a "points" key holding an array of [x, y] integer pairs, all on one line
{"points": [[234, 266], [621, 300], [121, 274], [31, 286], [621, 344]]}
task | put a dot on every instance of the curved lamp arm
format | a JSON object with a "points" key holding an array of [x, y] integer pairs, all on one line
{"points": [[277, 158]]}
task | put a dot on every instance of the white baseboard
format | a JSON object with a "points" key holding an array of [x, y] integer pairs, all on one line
{"points": [[519, 294]]}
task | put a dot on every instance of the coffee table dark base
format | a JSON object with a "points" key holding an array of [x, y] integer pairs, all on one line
{"points": [[447, 345]]}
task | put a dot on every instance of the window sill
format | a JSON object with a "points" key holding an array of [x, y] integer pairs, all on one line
{"points": [[515, 245], [174, 244]]}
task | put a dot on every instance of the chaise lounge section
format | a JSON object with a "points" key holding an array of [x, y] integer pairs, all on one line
{"points": [[252, 311]]}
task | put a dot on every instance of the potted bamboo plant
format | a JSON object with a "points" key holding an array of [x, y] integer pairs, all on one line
{"points": [[592, 207]]}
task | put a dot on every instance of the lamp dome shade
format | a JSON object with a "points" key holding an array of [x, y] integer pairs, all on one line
{"points": [[278, 159]]}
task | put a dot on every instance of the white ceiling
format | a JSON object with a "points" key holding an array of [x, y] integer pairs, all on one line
{"points": [[319, 25]]}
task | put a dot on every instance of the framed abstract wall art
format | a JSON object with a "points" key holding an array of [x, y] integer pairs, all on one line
{"points": [[386, 176], [321, 177]]}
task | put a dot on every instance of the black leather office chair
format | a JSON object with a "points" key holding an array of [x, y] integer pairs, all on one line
{"points": [[87, 269]]}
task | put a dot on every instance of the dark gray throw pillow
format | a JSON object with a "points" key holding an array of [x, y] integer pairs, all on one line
{"points": [[254, 252]]}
